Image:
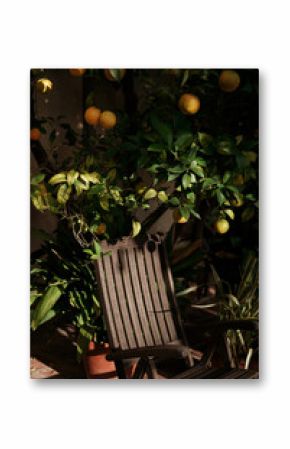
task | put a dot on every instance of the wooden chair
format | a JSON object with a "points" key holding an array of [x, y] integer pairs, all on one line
{"points": [[140, 310]]}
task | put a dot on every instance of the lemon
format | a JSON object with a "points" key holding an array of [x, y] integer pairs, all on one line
{"points": [[44, 85], [178, 218], [222, 226]]}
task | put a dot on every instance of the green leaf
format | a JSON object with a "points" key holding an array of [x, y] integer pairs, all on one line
{"points": [[220, 197], [151, 193], [186, 181], [162, 128], [156, 147], [80, 187], [46, 303], [176, 169], [198, 170], [72, 175], [184, 212], [136, 228], [183, 140], [58, 178], [191, 197], [37, 179], [172, 176], [247, 214], [185, 77], [195, 214], [162, 196], [97, 248], [111, 175], [50, 314], [174, 201], [116, 74], [104, 203], [226, 177], [63, 193], [204, 139]]}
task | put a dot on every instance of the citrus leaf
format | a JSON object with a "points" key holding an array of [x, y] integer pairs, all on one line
{"points": [[46, 303], [37, 179], [136, 227], [58, 178], [186, 181], [162, 196], [104, 203], [151, 193]]}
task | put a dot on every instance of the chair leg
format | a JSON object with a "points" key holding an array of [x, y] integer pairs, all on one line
{"points": [[151, 369], [140, 369], [120, 369]]}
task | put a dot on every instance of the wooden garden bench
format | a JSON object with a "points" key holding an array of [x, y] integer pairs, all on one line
{"points": [[141, 313]]}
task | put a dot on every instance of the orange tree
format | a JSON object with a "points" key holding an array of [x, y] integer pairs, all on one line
{"points": [[185, 140]]}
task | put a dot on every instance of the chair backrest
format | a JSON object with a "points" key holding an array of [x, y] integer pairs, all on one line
{"points": [[137, 294]]}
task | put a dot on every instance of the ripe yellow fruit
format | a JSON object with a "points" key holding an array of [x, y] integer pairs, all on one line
{"points": [[35, 134], [92, 115], [44, 85], [108, 119], [237, 202], [238, 180], [229, 80], [110, 77], [222, 226], [77, 72], [178, 218], [189, 104], [101, 229]]}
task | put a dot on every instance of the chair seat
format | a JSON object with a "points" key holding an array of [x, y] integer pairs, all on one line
{"points": [[217, 373]]}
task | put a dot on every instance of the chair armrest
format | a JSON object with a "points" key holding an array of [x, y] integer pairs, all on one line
{"points": [[160, 352]]}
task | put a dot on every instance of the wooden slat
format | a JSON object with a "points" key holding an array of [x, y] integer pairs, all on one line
{"points": [[130, 298], [105, 299], [121, 298], [111, 288], [139, 300], [147, 296], [165, 337], [168, 279], [163, 295]]}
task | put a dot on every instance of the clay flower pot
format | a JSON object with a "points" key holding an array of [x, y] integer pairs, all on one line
{"points": [[96, 364], [98, 367]]}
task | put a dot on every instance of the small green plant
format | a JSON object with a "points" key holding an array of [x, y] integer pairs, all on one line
{"points": [[63, 285]]}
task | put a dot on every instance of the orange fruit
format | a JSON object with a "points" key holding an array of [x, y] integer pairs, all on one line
{"points": [[110, 77], [77, 72], [178, 218], [35, 134], [229, 80], [101, 229], [222, 226], [108, 119], [189, 104], [92, 115]]}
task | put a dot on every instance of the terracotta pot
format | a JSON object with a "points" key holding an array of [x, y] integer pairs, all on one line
{"points": [[96, 364], [98, 367]]}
